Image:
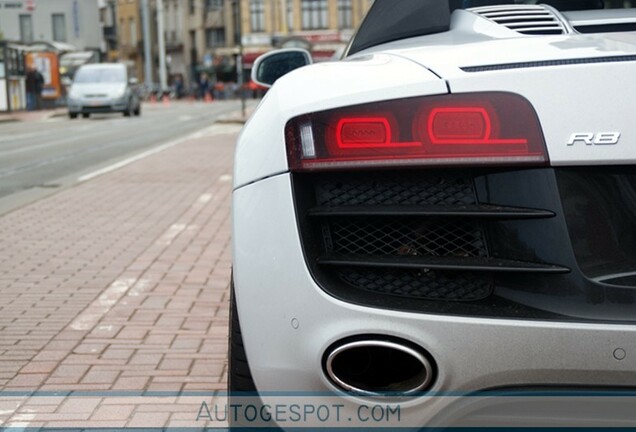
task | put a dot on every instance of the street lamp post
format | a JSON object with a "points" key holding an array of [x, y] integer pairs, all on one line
{"points": [[239, 60], [163, 79], [145, 12]]}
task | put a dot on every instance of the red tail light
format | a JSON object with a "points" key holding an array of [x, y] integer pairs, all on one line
{"points": [[358, 132], [465, 129]]}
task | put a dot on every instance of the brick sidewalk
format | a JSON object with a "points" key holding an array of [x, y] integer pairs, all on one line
{"points": [[120, 284], [29, 116]]}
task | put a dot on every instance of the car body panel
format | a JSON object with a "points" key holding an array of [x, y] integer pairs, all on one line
{"points": [[332, 85], [566, 97], [288, 316], [269, 264]]}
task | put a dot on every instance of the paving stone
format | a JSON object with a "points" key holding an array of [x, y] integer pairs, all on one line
{"points": [[120, 284]]}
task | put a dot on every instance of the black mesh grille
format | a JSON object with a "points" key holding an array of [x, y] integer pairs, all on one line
{"points": [[391, 191], [397, 234], [405, 236], [428, 285]]}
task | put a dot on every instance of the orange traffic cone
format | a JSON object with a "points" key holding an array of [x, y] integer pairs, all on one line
{"points": [[166, 100], [208, 97], [153, 99]]}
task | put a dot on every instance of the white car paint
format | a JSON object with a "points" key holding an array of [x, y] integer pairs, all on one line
{"points": [[288, 320]]}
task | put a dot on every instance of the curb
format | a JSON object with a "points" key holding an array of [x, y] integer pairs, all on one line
{"points": [[13, 117], [238, 121], [236, 117]]}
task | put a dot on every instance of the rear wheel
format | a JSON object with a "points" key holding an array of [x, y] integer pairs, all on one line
{"points": [[240, 385], [86, 115], [129, 109], [72, 115], [137, 111]]}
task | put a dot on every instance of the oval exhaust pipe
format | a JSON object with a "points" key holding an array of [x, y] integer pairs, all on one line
{"points": [[379, 367]]}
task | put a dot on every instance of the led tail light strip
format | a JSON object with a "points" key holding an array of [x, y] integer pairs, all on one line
{"points": [[464, 129]]}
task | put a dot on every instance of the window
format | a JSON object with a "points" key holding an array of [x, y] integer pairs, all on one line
{"points": [[215, 38], [122, 33], [59, 27], [193, 45], [132, 27], [213, 4], [177, 18], [257, 15], [26, 28], [192, 6], [100, 75], [2, 73], [315, 14], [344, 14], [290, 15]]}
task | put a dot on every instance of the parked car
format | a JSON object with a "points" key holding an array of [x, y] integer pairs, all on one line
{"points": [[449, 209], [103, 88]]}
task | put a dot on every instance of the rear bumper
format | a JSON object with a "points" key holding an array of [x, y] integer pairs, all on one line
{"points": [[288, 322], [81, 107]]}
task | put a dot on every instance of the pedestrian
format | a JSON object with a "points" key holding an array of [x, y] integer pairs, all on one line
{"points": [[34, 87], [178, 86], [204, 86]]}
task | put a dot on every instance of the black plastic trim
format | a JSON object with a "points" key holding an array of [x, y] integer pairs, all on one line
{"points": [[443, 263], [606, 28], [548, 63], [476, 211]]}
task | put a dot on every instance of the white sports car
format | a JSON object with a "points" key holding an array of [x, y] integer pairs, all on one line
{"points": [[449, 209]]}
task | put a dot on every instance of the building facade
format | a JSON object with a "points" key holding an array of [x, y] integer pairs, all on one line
{"points": [[130, 49], [215, 28], [322, 26], [174, 12], [209, 44], [130, 36], [72, 22], [108, 19]]}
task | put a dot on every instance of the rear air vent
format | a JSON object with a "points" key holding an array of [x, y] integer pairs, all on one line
{"points": [[525, 19], [408, 235]]}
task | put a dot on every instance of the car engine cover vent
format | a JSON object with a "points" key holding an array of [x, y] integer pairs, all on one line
{"points": [[525, 19]]}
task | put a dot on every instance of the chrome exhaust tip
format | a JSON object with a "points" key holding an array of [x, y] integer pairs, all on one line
{"points": [[379, 367]]}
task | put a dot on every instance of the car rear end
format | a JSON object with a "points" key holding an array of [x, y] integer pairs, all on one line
{"points": [[476, 234]]}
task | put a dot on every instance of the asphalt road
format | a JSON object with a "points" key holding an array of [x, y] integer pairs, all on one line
{"points": [[38, 158]]}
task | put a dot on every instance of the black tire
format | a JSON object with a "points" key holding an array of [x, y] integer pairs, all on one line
{"points": [[137, 112], [128, 111], [239, 376], [86, 115], [72, 115]]}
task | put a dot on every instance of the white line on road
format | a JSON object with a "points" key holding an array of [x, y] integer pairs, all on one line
{"points": [[128, 161]]}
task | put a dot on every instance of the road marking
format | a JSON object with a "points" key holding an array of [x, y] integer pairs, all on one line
{"points": [[143, 155], [205, 198], [225, 178], [89, 318], [171, 234]]}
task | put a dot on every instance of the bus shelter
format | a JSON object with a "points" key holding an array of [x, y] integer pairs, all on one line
{"points": [[12, 77]]}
